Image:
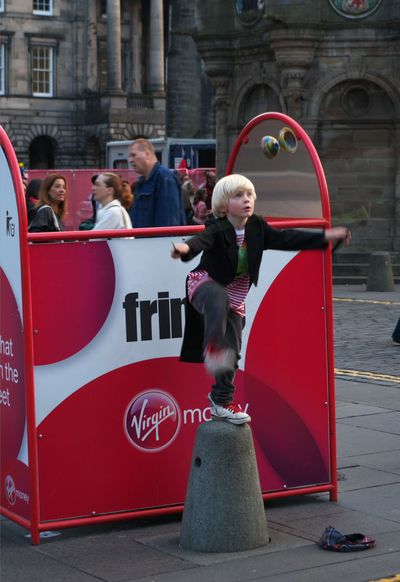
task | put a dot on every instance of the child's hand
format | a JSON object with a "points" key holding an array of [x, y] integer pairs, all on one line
{"points": [[179, 249], [339, 233]]}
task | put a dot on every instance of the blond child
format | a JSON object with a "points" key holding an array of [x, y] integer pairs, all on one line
{"points": [[217, 288]]}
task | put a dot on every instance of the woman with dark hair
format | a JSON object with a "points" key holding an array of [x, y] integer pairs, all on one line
{"points": [[32, 197], [52, 205], [107, 191]]}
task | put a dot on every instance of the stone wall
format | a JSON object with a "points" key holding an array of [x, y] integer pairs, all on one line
{"points": [[189, 92], [339, 77]]}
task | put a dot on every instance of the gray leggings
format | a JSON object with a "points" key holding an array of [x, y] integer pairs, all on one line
{"points": [[223, 328]]}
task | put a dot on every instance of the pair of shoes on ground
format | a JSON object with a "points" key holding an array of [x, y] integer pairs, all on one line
{"points": [[219, 360], [231, 412]]}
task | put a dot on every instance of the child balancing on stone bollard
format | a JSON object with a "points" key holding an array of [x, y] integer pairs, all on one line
{"points": [[217, 288]]}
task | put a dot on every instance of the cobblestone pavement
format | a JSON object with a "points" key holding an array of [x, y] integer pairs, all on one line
{"points": [[364, 323]]}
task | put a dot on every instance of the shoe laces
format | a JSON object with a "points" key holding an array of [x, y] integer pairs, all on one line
{"points": [[233, 407]]}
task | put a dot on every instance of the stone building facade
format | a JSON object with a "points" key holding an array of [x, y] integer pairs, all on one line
{"points": [[75, 74], [334, 66]]}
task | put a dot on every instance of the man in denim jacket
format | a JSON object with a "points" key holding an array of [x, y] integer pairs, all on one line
{"points": [[158, 197]]}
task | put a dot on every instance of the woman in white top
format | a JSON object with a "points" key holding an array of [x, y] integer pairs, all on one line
{"points": [[107, 191]]}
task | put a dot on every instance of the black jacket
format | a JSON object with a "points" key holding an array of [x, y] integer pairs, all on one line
{"points": [[45, 220], [220, 259]]}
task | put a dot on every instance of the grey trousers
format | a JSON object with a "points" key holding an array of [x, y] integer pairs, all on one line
{"points": [[223, 328]]}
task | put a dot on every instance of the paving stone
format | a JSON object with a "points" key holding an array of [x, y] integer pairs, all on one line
{"points": [[389, 462], [382, 502], [279, 541], [355, 441], [372, 394], [352, 520], [350, 410], [298, 563], [349, 571], [356, 478], [283, 511], [112, 557], [29, 564], [388, 422]]}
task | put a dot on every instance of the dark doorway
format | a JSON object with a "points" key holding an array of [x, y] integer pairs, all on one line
{"points": [[42, 153]]}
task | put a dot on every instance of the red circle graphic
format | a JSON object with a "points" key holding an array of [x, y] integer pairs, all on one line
{"points": [[152, 421]]}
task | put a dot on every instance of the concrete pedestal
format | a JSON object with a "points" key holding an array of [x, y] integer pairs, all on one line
{"points": [[380, 273], [224, 509]]}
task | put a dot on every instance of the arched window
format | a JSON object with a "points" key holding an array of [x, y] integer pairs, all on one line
{"points": [[258, 100]]}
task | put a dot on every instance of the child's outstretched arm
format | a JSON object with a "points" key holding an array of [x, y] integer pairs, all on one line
{"points": [[179, 250], [339, 233]]}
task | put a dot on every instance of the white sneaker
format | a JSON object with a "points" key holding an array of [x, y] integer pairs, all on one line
{"points": [[231, 412], [219, 360]]}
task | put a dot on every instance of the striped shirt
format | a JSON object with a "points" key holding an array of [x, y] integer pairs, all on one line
{"points": [[237, 289]]}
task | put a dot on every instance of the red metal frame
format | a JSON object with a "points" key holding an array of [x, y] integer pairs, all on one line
{"points": [[324, 222], [34, 524], [301, 135]]}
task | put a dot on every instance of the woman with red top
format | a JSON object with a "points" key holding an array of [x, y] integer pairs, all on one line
{"points": [[200, 209]]}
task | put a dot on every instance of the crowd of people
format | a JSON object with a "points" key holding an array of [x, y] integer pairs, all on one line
{"points": [[196, 202], [159, 197], [47, 202]]}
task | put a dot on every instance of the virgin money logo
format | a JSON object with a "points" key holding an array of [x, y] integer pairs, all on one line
{"points": [[152, 421], [10, 489]]}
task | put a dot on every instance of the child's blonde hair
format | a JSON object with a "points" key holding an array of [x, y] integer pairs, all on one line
{"points": [[226, 188]]}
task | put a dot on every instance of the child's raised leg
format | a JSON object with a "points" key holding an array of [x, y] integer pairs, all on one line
{"points": [[211, 300], [222, 344]]}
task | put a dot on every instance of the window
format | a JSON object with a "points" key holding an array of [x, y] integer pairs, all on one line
{"points": [[42, 71], [249, 11], [1, 5], [102, 66], [102, 62], [2, 68], [44, 7]]}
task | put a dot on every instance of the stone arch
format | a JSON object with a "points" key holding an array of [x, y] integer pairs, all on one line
{"points": [[320, 91], [42, 152], [250, 102], [43, 129], [132, 131], [356, 99], [356, 141], [39, 130]]}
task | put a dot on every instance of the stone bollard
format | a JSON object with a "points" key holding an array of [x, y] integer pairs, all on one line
{"points": [[380, 273], [224, 509]]}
